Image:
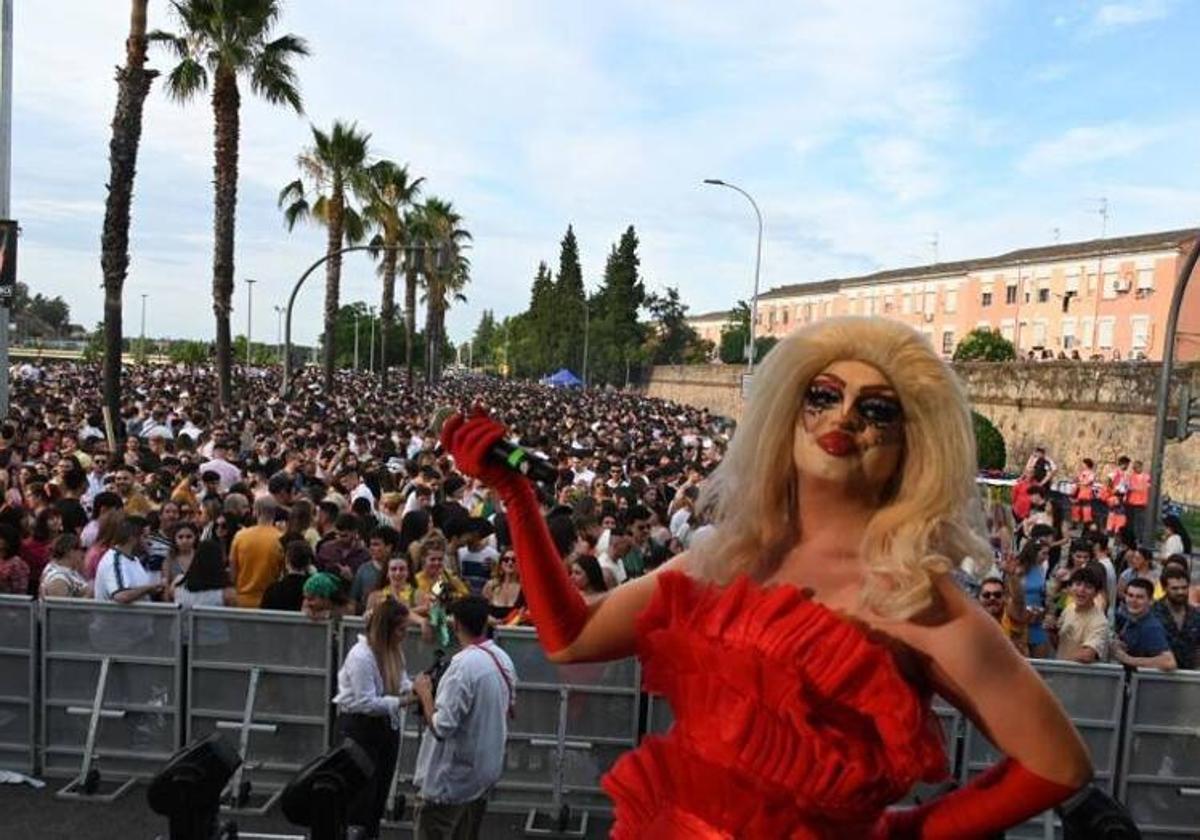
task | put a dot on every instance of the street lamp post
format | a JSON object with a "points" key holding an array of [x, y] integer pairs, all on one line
{"points": [[586, 326], [717, 182], [371, 348], [279, 310], [356, 342], [249, 310], [142, 339]]}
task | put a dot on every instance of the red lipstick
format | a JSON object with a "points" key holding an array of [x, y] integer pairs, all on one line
{"points": [[838, 444]]}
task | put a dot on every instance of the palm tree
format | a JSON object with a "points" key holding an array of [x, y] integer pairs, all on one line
{"points": [[446, 270], [133, 84], [335, 168], [389, 192], [227, 39]]}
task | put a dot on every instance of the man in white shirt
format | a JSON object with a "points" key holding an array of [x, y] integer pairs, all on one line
{"points": [[230, 475], [462, 749]]}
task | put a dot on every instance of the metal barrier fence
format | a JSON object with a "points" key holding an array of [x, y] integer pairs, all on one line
{"points": [[110, 694], [1161, 779], [572, 723], [18, 681], [264, 678], [111, 684], [1092, 696]]}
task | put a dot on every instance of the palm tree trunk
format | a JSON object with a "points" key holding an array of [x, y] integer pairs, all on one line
{"points": [[133, 84], [387, 306], [410, 315], [226, 102], [333, 279]]}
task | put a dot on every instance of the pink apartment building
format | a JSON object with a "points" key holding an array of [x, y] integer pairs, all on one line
{"points": [[1104, 297]]}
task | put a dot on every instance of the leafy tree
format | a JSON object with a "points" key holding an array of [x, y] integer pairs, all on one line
{"points": [[569, 304], [332, 170], [616, 334], [541, 323], [990, 450], [484, 344], [984, 345], [673, 340], [230, 39], [446, 270], [133, 85], [193, 352], [388, 193]]}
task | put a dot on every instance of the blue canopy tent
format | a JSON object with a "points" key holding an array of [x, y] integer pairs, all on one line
{"points": [[563, 378]]}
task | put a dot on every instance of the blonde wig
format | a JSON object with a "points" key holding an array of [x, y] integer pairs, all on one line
{"points": [[930, 518]]}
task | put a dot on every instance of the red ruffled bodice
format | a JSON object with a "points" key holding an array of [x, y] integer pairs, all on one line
{"points": [[790, 721]]}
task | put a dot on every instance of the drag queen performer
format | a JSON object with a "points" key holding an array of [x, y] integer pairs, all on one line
{"points": [[799, 646]]}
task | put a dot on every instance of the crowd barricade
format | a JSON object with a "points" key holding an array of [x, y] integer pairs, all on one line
{"points": [[572, 723], [263, 679], [1161, 782], [18, 681], [1092, 696], [111, 705]]}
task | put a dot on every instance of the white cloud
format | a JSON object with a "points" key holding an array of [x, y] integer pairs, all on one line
{"points": [[902, 167], [1089, 144], [1115, 15]]}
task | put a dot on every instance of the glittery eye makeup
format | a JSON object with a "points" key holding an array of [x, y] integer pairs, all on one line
{"points": [[881, 410]]}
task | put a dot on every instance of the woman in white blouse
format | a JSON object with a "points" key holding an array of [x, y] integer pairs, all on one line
{"points": [[372, 685]]}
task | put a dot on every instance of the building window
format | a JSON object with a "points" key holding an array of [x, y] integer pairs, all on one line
{"points": [[808, 312], [1010, 294], [931, 302], [986, 299], [1073, 282], [951, 301], [1043, 295], [771, 317], [1141, 332], [1039, 333], [1086, 327], [908, 305], [784, 314], [947, 342], [1008, 328], [1110, 285], [1145, 279], [1104, 333], [1068, 333]]}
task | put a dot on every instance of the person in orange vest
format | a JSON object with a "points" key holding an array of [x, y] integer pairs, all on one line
{"points": [[1081, 510], [1139, 496], [1120, 476], [1114, 497]]}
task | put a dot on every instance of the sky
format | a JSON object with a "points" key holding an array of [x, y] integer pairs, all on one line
{"points": [[864, 130]]}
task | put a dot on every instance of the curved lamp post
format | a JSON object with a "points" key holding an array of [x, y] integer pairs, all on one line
{"points": [[717, 182]]}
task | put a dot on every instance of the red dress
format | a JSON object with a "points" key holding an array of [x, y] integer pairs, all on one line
{"points": [[791, 722]]}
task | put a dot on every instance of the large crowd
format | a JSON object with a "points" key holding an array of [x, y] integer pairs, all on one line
{"points": [[330, 505]]}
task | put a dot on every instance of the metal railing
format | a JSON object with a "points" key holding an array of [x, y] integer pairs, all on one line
{"points": [[87, 685], [18, 682]]}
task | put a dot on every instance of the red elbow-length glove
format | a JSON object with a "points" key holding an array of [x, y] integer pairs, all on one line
{"points": [[556, 605], [1004, 796]]}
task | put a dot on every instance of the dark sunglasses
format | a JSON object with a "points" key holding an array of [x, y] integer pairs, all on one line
{"points": [[991, 596]]}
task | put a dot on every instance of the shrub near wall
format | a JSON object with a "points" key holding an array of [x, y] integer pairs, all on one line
{"points": [[990, 451]]}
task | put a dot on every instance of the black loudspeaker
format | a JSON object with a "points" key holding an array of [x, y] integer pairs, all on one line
{"points": [[316, 798], [188, 790]]}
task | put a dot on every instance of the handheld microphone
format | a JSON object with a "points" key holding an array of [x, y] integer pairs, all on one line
{"points": [[506, 453]]}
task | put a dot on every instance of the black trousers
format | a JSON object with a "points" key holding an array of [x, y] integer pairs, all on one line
{"points": [[377, 738]]}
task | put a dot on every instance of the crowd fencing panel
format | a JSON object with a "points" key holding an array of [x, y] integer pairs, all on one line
{"points": [[18, 683], [263, 679], [111, 680], [572, 723], [1092, 696], [1161, 780]]}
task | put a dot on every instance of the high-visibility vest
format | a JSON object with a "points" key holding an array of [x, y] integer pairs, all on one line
{"points": [[1139, 489], [1083, 485]]}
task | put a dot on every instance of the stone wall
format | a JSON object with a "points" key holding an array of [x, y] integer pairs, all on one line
{"points": [[1075, 410]]}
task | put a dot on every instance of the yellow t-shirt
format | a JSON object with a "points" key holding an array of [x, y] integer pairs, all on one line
{"points": [[257, 558]]}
